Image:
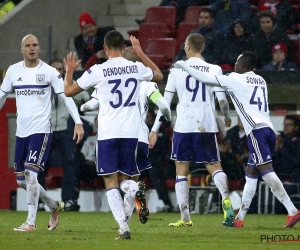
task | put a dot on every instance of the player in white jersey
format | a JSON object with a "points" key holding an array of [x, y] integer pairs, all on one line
{"points": [[117, 82], [132, 188], [196, 127], [249, 95], [32, 80]]}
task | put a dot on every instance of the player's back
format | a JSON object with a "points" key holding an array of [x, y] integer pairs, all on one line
{"points": [[118, 85], [249, 94], [196, 107]]}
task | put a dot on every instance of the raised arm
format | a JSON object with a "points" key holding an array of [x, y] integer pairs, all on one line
{"points": [[71, 88], [137, 50], [200, 76]]}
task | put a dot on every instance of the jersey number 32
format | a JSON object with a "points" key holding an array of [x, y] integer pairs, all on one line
{"points": [[129, 83]]}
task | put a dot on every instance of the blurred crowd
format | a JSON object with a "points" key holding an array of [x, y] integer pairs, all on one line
{"points": [[230, 27]]}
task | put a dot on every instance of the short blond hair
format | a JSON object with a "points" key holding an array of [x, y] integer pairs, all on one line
{"points": [[197, 42], [25, 37]]}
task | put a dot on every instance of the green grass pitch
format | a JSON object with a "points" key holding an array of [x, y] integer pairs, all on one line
{"points": [[79, 230]]}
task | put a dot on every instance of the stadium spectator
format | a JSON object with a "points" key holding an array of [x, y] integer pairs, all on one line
{"points": [[287, 150], [119, 117], [235, 153], [227, 11], [195, 132], [264, 40], [91, 39], [97, 58], [213, 38], [283, 12], [157, 157], [63, 150], [250, 97], [32, 80], [279, 61], [238, 40]]}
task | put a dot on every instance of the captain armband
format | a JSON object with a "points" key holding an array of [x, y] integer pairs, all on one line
{"points": [[155, 96]]}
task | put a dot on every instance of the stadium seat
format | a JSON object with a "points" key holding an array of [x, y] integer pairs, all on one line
{"points": [[170, 184], [260, 3], [133, 33], [162, 14], [54, 177], [160, 20], [226, 67], [161, 51], [151, 30], [96, 183], [183, 30], [192, 14], [147, 181], [296, 51], [235, 185]]}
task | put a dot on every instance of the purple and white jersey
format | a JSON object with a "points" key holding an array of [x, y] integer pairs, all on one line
{"points": [[94, 94], [33, 95], [146, 90], [249, 95], [196, 107], [117, 82]]}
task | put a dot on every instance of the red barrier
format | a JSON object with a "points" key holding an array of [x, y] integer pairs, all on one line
{"points": [[8, 179]]}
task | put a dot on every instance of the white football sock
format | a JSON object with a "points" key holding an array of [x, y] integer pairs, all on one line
{"points": [[116, 205], [52, 204], [182, 194], [22, 183], [33, 193], [220, 179], [248, 194], [278, 190], [129, 187], [128, 205]]}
